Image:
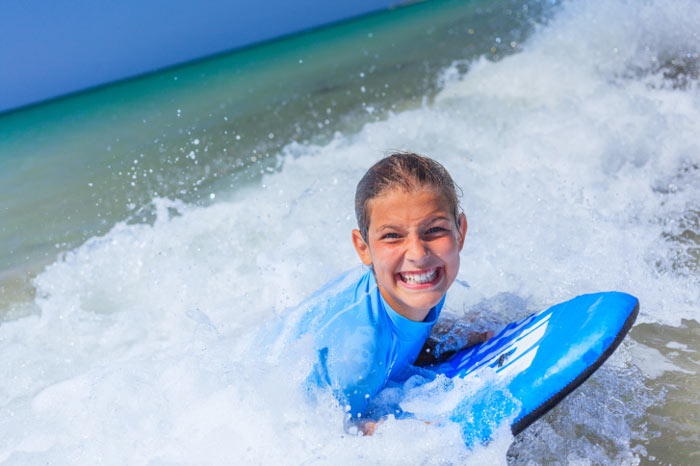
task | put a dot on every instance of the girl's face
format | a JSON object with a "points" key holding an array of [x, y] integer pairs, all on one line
{"points": [[413, 245]]}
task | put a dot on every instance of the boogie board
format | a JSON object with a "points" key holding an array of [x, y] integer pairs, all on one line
{"points": [[532, 364]]}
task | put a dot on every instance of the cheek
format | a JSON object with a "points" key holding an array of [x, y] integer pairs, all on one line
{"points": [[383, 258], [449, 253]]}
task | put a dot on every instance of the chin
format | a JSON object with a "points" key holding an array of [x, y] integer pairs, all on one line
{"points": [[419, 301]]}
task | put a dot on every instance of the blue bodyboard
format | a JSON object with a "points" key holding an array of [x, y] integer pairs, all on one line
{"points": [[532, 364]]}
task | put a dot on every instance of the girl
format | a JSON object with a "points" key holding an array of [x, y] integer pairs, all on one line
{"points": [[410, 234]]}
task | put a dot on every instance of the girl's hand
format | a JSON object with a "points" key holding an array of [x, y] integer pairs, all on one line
{"points": [[368, 427], [448, 337], [478, 337]]}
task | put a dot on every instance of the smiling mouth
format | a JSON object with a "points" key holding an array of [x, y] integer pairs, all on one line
{"points": [[420, 278]]}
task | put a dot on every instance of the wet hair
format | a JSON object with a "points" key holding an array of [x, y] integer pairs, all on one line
{"points": [[407, 171]]}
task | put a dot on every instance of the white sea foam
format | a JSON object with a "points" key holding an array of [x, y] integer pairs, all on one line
{"points": [[571, 155]]}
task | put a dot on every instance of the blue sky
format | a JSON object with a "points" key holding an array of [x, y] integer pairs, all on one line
{"points": [[50, 48]]}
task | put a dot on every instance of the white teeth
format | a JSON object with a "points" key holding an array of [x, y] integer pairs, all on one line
{"points": [[420, 278]]}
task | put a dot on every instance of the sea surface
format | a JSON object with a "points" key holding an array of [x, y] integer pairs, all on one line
{"points": [[150, 229]]}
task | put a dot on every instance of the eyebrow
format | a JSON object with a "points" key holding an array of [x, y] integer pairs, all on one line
{"points": [[394, 227]]}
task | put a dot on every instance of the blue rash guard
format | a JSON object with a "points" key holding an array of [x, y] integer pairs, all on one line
{"points": [[362, 343]]}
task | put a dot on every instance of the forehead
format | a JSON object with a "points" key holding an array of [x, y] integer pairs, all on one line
{"points": [[400, 206]]}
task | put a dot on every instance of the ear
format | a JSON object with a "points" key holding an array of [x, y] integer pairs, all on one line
{"points": [[361, 247], [462, 229]]}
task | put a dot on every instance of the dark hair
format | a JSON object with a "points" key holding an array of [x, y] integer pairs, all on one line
{"points": [[403, 170]]}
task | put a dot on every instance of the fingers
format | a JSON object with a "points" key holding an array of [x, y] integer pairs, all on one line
{"points": [[368, 427]]}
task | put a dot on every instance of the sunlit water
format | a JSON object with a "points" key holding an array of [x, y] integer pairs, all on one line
{"points": [[575, 145]]}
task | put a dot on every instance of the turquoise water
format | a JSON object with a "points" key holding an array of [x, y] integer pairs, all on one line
{"points": [[72, 168], [149, 228]]}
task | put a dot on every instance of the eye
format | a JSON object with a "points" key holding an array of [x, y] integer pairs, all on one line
{"points": [[390, 236], [433, 230]]}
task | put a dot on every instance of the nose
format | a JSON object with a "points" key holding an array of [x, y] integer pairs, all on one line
{"points": [[416, 250]]}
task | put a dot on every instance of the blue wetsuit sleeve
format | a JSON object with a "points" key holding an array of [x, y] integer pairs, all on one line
{"points": [[353, 364], [362, 343]]}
